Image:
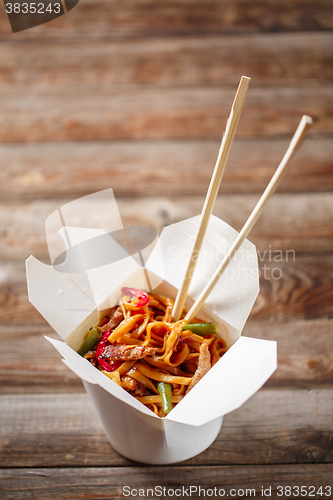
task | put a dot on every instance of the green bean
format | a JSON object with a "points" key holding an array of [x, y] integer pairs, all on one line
{"points": [[91, 339], [165, 391], [201, 328]]}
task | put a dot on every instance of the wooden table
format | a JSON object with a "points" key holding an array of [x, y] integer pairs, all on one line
{"points": [[134, 95]]}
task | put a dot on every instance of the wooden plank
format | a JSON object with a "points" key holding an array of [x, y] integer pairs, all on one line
{"points": [[160, 168], [109, 19], [299, 222], [42, 370], [102, 112], [304, 349], [302, 289], [304, 356], [274, 426], [278, 59], [117, 483]]}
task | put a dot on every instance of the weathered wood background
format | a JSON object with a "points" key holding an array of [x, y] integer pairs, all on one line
{"points": [[134, 95]]}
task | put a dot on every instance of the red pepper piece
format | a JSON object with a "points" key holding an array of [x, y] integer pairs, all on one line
{"points": [[109, 367], [142, 297]]}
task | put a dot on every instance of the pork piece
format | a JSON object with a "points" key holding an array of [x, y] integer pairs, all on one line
{"points": [[204, 365], [115, 318], [127, 352], [132, 385]]}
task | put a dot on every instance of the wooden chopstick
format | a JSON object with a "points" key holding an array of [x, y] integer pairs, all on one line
{"points": [[211, 194], [294, 145]]}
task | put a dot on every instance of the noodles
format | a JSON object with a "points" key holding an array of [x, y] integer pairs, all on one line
{"points": [[149, 355]]}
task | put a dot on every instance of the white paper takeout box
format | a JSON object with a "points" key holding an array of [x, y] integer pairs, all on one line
{"points": [[71, 304]]}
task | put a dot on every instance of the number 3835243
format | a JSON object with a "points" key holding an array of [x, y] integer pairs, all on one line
{"points": [[32, 8]]}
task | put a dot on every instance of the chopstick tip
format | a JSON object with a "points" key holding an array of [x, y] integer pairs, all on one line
{"points": [[241, 91], [308, 119]]}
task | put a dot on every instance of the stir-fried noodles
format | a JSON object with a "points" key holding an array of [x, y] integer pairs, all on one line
{"points": [[141, 349]]}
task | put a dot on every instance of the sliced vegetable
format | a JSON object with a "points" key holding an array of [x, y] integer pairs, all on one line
{"points": [[142, 297], [92, 337], [109, 367], [201, 328], [165, 391]]}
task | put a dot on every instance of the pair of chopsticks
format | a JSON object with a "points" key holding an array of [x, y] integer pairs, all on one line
{"points": [[223, 155]]}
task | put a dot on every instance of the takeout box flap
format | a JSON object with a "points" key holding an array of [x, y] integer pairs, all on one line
{"points": [[239, 374], [100, 282], [60, 301]]}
